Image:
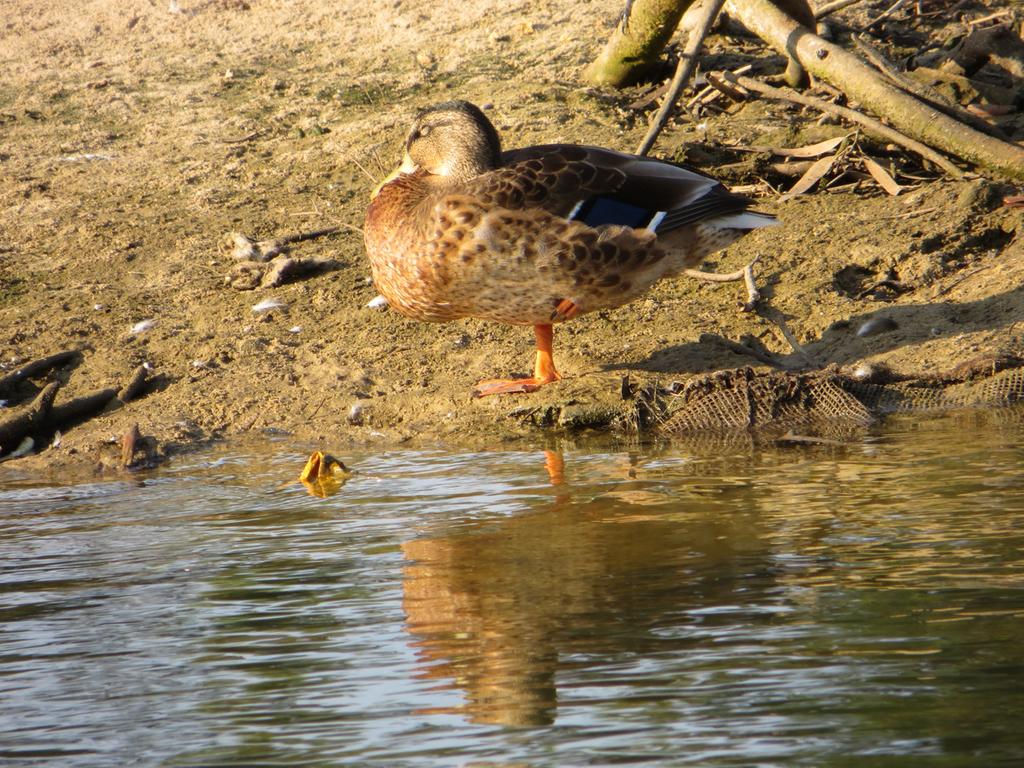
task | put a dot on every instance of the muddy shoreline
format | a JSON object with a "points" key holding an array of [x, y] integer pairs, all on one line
{"points": [[135, 142]]}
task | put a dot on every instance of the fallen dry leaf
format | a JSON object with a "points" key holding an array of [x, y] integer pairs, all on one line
{"points": [[811, 150], [882, 176], [991, 110], [805, 152], [810, 178]]}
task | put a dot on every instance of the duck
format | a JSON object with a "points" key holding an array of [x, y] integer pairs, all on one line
{"points": [[535, 236]]}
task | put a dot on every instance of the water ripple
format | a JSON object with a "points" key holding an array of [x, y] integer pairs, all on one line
{"points": [[814, 605]]}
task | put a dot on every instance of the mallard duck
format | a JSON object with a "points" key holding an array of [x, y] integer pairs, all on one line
{"points": [[534, 236]]}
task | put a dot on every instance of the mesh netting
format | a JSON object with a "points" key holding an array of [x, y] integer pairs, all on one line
{"points": [[1001, 388], [832, 400]]}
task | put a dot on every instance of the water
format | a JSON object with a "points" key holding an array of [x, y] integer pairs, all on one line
{"points": [[856, 605]]}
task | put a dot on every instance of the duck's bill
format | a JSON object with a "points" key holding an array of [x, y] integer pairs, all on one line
{"points": [[407, 166]]}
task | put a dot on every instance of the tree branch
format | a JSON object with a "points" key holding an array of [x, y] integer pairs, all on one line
{"points": [[684, 70], [862, 84]]}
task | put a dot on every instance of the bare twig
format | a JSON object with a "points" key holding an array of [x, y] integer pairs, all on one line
{"points": [[890, 70], [829, 8], [743, 349], [886, 13], [710, 92], [912, 214], [774, 316], [869, 123], [715, 277], [962, 279], [861, 83], [990, 17], [684, 70], [36, 367], [746, 275], [242, 139]]}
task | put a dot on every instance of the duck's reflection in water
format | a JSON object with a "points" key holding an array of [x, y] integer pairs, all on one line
{"points": [[502, 609]]}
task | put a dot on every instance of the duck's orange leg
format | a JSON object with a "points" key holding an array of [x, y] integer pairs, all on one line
{"points": [[543, 370]]}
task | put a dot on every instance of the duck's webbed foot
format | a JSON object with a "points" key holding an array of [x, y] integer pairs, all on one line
{"points": [[543, 370]]}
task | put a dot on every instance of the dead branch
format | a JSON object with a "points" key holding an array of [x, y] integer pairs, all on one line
{"points": [[829, 8], [684, 70], [135, 385], [79, 408], [634, 47], [746, 275], [774, 316], [42, 416], [14, 428], [870, 124], [798, 10], [855, 78], [924, 92], [35, 368], [246, 249]]}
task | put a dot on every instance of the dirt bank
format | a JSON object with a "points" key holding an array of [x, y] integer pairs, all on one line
{"points": [[134, 140]]}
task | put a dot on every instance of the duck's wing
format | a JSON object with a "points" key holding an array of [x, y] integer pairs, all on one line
{"points": [[599, 186], [554, 178]]}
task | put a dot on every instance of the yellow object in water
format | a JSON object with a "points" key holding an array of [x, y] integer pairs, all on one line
{"points": [[323, 475]]}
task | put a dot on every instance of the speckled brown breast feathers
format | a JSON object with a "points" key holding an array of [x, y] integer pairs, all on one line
{"points": [[508, 236], [473, 259]]}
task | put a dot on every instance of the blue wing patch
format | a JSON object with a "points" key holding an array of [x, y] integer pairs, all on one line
{"points": [[604, 210]]}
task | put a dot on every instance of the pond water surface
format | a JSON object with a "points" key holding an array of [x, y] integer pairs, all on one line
{"points": [[811, 605]]}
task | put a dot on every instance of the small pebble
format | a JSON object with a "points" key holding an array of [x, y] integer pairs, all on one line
{"points": [[378, 302], [295, 329], [99, 307], [267, 305]]}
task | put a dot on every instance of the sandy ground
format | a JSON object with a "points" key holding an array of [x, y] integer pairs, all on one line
{"points": [[134, 140]]}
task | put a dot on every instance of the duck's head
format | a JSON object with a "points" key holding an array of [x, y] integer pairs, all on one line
{"points": [[453, 141]]}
